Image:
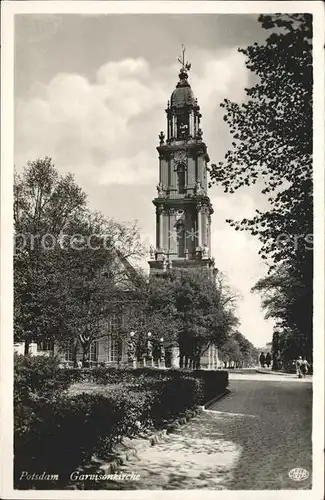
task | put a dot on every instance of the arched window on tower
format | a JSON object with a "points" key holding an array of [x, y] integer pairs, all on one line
{"points": [[182, 122], [180, 231], [181, 179]]}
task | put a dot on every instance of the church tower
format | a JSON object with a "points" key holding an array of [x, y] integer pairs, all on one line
{"points": [[183, 207]]}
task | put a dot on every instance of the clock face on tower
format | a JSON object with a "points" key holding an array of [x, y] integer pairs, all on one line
{"points": [[180, 157]]}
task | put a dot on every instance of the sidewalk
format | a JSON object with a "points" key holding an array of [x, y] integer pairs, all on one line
{"points": [[270, 376], [271, 372], [195, 456]]}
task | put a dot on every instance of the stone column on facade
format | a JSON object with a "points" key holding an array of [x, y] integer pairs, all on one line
{"points": [[174, 126], [165, 230], [191, 124], [197, 123], [160, 227], [199, 224], [204, 227], [209, 234], [173, 177], [171, 232], [161, 180]]}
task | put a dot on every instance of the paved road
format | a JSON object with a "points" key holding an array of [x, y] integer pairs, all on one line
{"points": [[250, 439], [273, 429]]}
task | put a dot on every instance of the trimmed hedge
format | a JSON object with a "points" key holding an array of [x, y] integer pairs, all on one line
{"points": [[39, 375], [58, 432], [65, 432], [214, 382]]}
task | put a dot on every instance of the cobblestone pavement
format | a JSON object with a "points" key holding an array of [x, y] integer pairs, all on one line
{"points": [[278, 437], [250, 439]]}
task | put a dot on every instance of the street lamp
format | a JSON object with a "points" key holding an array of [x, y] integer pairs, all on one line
{"points": [[162, 353]]}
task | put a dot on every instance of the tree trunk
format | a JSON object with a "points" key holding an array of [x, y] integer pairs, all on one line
{"points": [[85, 353], [181, 360], [26, 347], [197, 362]]}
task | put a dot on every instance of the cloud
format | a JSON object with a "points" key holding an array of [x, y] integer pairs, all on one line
{"points": [[105, 131], [110, 125]]}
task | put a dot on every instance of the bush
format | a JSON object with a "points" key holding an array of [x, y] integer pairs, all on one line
{"points": [[65, 432], [214, 382], [57, 432], [175, 396], [35, 378], [39, 375]]}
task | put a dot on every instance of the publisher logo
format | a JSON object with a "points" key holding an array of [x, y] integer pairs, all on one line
{"points": [[298, 474]]}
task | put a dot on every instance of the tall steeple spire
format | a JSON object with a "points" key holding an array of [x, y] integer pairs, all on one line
{"points": [[183, 208], [186, 66]]}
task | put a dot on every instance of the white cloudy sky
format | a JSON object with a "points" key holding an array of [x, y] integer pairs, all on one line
{"points": [[91, 91]]}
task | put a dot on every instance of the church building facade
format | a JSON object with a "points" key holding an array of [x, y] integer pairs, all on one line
{"points": [[183, 207]]}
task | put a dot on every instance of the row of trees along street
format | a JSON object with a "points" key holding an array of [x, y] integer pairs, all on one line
{"points": [[272, 148], [65, 290]]}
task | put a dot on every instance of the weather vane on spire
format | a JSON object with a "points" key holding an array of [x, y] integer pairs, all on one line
{"points": [[186, 66]]}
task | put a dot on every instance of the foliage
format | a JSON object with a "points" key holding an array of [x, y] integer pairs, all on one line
{"points": [[40, 375], [175, 396], [57, 431], [70, 264], [238, 352], [66, 431], [188, 308], [214, 383], [287, 301], [272, 147]]}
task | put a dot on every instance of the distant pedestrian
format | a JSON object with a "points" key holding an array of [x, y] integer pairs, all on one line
{"points": [[262, 360], [298, 367], [79, 364], [304, 367], [268, 359]]}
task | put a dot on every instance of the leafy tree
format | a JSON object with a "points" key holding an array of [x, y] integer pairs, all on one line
{"points": [[249, 353], [230, 353], [272, 147], [44, 205], [188, 309], [284, 300], [69, 270], [238, 351]]}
